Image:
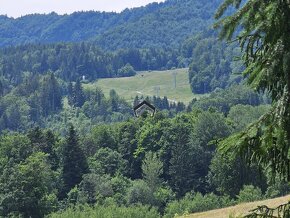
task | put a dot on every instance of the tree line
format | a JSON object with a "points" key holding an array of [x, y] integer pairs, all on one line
{"points": [[158, 161]]}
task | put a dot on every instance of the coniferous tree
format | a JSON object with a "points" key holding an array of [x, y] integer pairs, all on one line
{"points": [[180, 107], [265, 40], [114, 100], [14, 117], [78, 94], [44, 141], [165, 103], [50, 141], [74, 164], [1, 89], [3, 121], [70, 93], [55, 93], [136, 101], [50, 95], [182, 170], [99, 96]]}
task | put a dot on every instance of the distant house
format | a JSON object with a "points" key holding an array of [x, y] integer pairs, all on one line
{"points": [[143, 107]]}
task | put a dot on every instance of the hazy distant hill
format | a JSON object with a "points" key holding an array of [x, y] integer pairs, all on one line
{"points": [[155, 25]]}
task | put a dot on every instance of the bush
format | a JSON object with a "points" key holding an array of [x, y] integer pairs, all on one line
{"points": [[126, 70], [163, 196], [250, 193], [84, 211], [278, 189], [196, 203], [140, 193]]}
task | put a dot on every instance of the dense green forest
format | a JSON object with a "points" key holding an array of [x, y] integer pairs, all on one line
{"points": [[84, 151], [173, 34], [210, 62], [160, 162], [156, 25], [72, 61], [66, 150]]}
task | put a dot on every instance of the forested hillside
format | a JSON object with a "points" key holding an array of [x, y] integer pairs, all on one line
{"points": [[71, 61], [156, 25], [66, 148], [173, 34]]}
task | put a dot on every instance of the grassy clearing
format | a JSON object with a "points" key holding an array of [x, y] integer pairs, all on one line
{"points": [[148, 84], [240, 209]]}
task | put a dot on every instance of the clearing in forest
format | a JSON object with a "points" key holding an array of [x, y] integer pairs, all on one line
{"points": [[171, 83]]}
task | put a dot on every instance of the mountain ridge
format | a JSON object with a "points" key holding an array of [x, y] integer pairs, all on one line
{"points": [[154, 25]]}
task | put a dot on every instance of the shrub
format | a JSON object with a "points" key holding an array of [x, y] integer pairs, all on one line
{"points": [[140, 193], [278, 189], [197, 203], [250, 193], [84, 211]]}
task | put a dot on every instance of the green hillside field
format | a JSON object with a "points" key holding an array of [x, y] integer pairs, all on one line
{"points": [[148, 83]]}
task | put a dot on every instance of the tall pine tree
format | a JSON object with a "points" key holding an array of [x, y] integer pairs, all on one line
{"points": [[78, 94], [50, 95], [74, 164]]}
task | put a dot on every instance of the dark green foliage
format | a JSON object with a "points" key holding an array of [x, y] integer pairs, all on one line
{"points": [[185, 162], [127, 70], [46, 143], [26, 188], [71, 62], [15, 148], [27, 181], [228, 175], [152, 169], [192, 203], [111, 210], [183, 147], [172, 19], [1, 89], [175, 21], [156, 161], [120, 185], [50, 95], [242, 115], [127, 145], [212, 66], [118, 153], [74, 163], [208, 129], [104, 137], [70, 92], [101, 109], [140, 193], [37, 101], [264, 39], [94, 188], [249, 193], [277, 189], [223, 100], [107, 161], [76, 95]]}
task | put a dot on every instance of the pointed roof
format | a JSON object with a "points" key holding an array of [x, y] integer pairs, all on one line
{"points": [[141, 107]]}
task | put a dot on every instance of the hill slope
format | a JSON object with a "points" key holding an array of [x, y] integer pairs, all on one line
{"points": [[148, 84], [241, 209], [157, 24]]}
